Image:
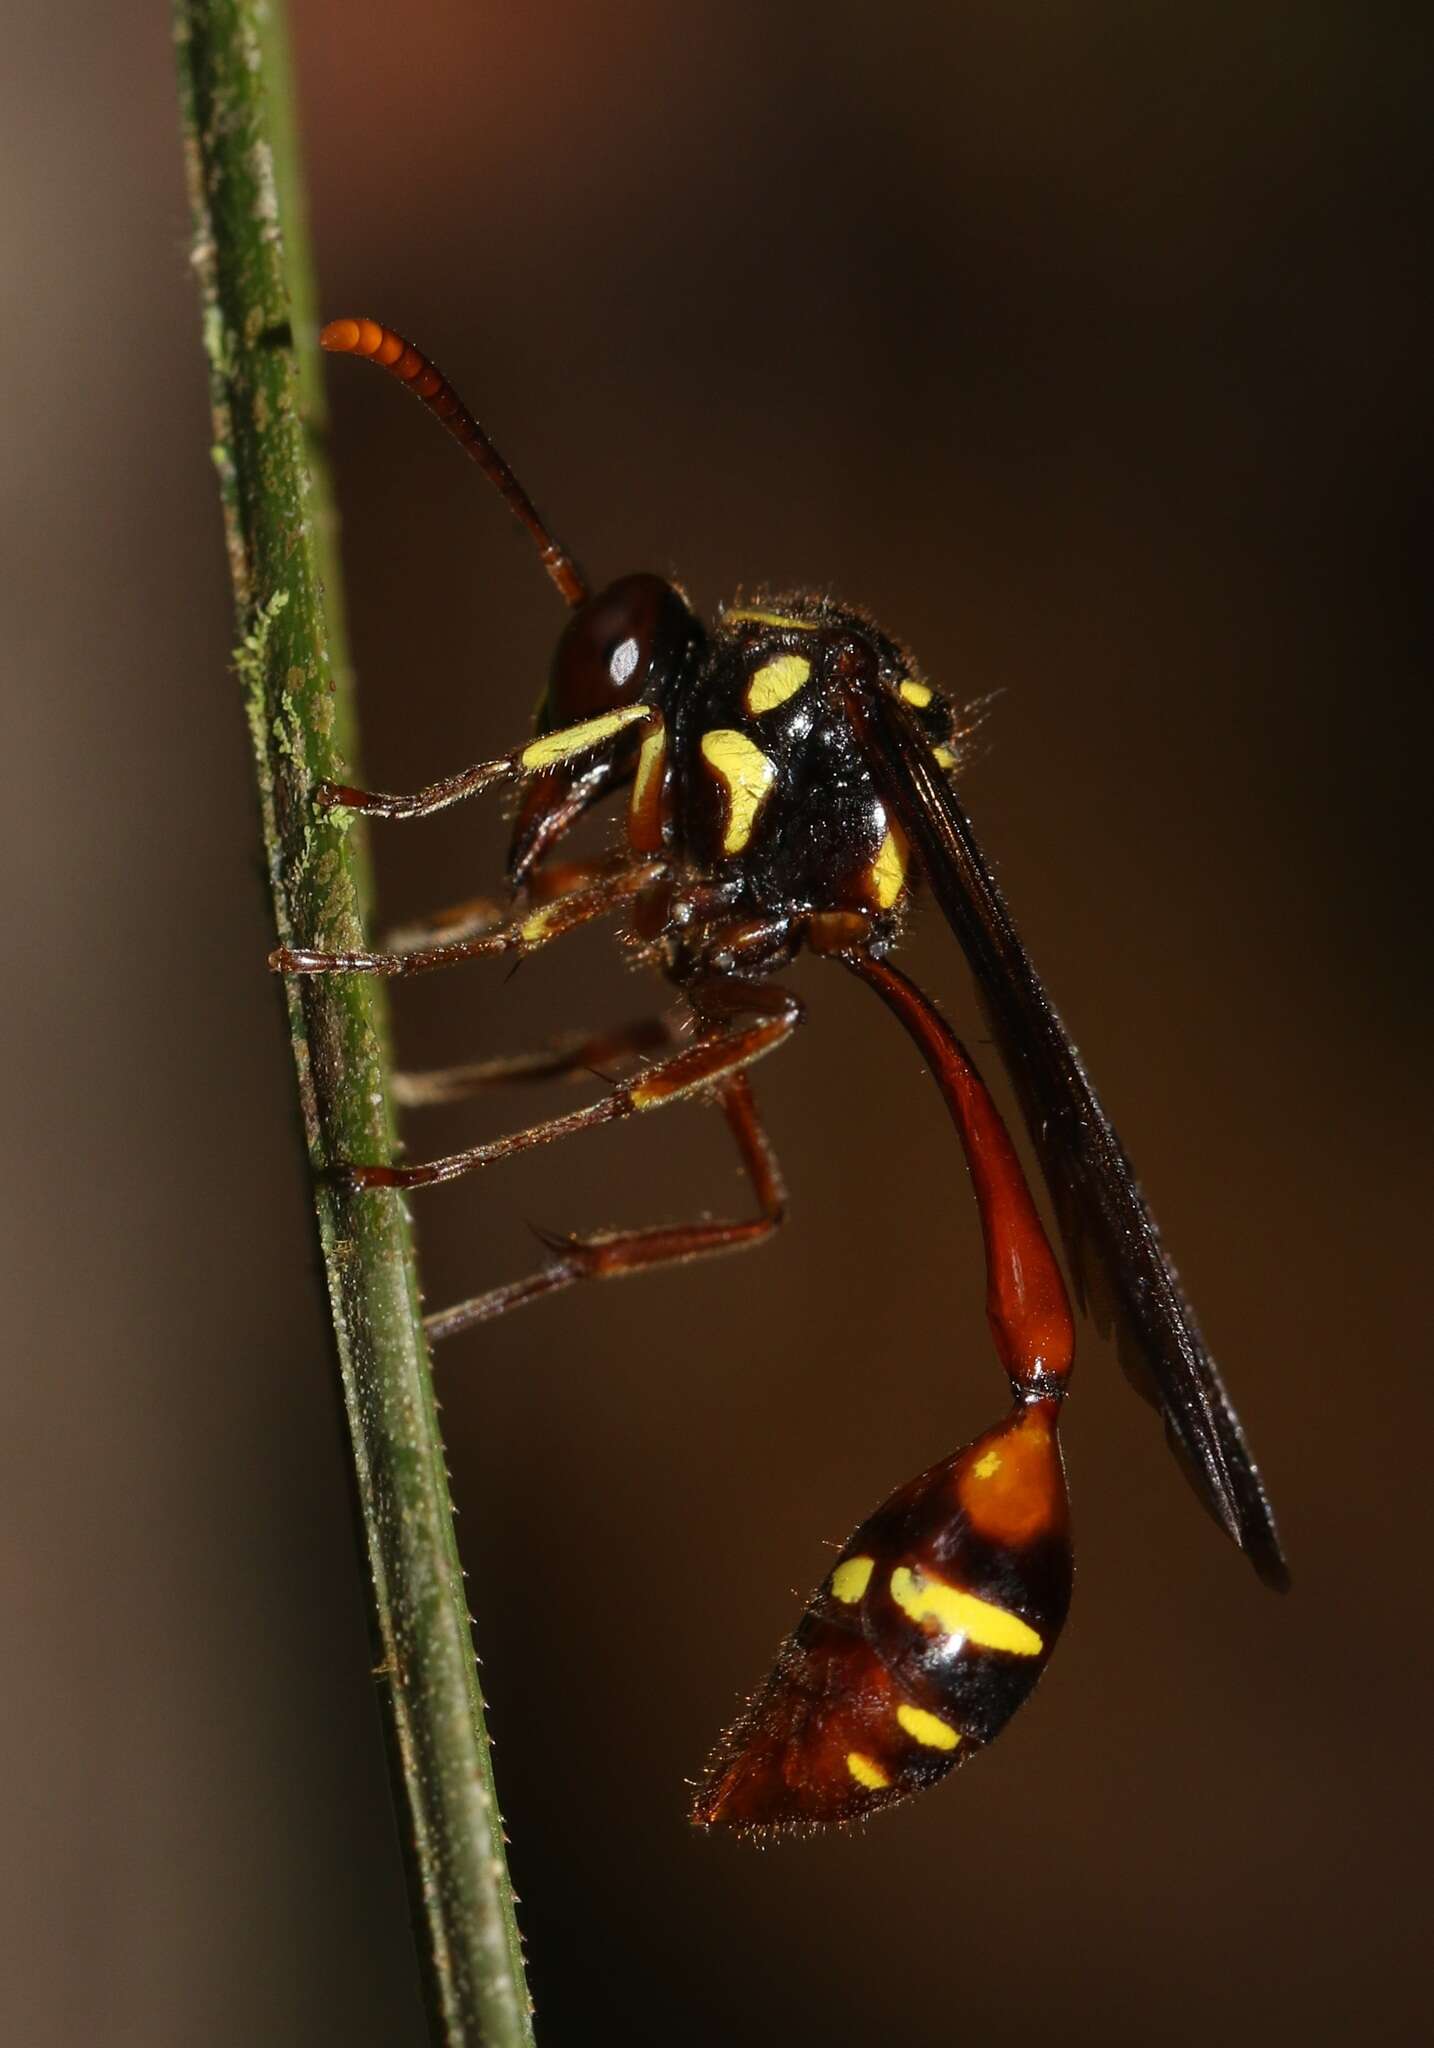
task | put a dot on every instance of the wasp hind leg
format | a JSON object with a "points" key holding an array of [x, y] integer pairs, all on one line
{"points": [[613, 1254], [578, 1053]]}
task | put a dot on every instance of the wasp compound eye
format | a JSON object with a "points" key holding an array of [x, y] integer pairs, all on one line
{"points": [[630, 644], [615, 650]]}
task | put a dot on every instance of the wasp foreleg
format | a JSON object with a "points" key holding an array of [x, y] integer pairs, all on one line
{"points": [[549, 750]]}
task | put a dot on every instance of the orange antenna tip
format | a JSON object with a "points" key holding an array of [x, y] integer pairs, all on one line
{"points": [[379, 344], [340, 337]]}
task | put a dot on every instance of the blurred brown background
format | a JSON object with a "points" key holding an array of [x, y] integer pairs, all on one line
{"points": [[1079, 343]]}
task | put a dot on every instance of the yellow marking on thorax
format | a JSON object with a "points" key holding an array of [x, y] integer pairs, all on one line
{"points": [[776, 680], [645, 808], [866, 1772], [918, 694], [943, 757], [649, 764], [887, 873], [534, 928], [748, 775], [851, 1579], [928, 1729], [756, 618], [961, 1614], [579, 739]]}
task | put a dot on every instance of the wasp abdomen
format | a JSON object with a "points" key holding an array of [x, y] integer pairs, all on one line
{"points": [[934, 1626]]}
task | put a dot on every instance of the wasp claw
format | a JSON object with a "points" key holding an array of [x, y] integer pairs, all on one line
{"points": [[354, 1179]]}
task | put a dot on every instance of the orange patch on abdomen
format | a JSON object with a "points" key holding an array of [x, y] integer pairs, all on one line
{"points": [[1011, 1487]]}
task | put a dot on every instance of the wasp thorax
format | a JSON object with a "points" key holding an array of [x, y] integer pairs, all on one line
{"points": [[770, 781]]}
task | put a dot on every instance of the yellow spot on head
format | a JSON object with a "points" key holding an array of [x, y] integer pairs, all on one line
{"points": [[777, 680], [851, 1578], [888, 871], [986, 1465], [944, 758], [918, 694], [866, 1772], [756, 618], [748, 775], [580, 739], [929, 1729], [955, 1613]]}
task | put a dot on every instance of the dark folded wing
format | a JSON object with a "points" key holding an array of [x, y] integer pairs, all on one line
{"points": [[1122, 1272]]}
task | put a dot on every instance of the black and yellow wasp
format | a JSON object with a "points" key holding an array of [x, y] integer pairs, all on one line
{"points": [[790, 784]]}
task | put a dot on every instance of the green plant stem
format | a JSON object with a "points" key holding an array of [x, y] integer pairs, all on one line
{"points": [[259, 337]]}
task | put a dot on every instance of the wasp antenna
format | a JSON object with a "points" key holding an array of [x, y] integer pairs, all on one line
{"points": [[379, 344]]}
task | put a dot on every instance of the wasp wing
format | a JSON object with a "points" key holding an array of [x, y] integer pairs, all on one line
{"points": [[1122, 1272]]}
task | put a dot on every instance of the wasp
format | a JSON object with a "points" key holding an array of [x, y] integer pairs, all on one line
{"points": [[790, 780]]}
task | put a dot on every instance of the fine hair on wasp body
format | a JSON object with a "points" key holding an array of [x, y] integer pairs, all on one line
{"points": [[786, 774]]}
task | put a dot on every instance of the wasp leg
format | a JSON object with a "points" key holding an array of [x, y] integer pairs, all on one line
{"points": [[576, 1054], [476, 916], [612, 1254], [518, 935], [722, 1053], [549, 750]]}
